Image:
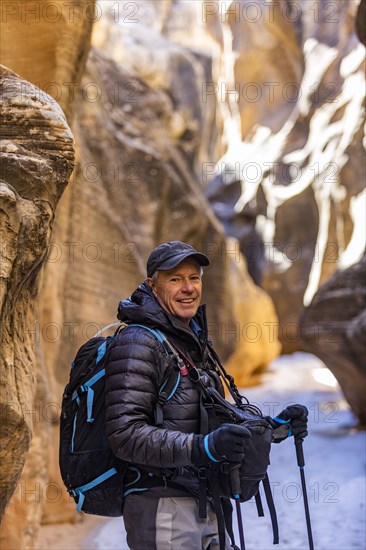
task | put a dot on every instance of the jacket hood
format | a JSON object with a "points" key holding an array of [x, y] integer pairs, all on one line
{"points": [[142, 307]]}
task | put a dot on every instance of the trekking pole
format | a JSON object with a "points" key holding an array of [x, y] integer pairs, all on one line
{"points": [[301, 464], [235, 487]]}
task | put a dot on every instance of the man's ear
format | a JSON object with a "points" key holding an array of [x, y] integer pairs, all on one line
{"points": [[151, 284]]}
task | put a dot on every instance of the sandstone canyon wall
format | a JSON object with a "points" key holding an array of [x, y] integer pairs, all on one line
{"points": [[46, 47], [37, 156], [333, 328], [290, 186], [159, 144]]}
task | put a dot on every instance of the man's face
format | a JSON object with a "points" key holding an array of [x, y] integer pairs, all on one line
{"points": [[179, 290]]}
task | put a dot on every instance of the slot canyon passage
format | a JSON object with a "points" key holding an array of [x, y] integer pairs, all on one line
{"points": [[237, 127]]}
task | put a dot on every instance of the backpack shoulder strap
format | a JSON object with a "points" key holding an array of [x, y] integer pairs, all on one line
{"points": [[159, 335], [166, 392]]}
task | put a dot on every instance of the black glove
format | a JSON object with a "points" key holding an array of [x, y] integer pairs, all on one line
{"points": [[227, 443], [293, 420]]}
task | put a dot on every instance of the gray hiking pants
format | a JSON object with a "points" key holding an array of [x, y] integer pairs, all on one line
{"points": [[169, 523]]}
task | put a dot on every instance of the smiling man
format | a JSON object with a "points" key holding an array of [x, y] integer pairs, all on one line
{"points": [[161, 485], [165, 449]]}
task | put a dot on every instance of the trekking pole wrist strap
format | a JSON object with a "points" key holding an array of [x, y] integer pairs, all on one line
{"points": [[207, 449]]}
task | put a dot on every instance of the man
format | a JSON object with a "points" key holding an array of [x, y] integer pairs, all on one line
{"points": [[160, 508]]}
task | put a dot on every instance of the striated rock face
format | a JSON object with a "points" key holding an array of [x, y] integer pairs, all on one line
{"points": [[37, 157], [145, 51], [291, 185], [253, 326], [334, 328], [47, 42]]}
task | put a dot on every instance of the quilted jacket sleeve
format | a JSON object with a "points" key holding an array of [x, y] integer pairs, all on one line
{"points": [[134, 374]]}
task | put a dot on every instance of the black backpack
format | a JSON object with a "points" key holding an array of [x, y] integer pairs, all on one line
{"points": [[92, 474]]}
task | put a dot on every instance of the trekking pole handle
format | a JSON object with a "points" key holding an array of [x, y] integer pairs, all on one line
{"points": [[299, 452], [236, 490], [235, 480]]}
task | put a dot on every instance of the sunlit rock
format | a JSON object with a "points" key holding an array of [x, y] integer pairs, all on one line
{"points": [[46, 43], [37, 156], [153, 49], [294, 165], [334, 328]]}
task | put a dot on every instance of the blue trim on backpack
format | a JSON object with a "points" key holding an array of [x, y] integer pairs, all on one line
{"points": [[79, 491], [75, 394], [90, 396], [137, 478], [134, 491], [73, 433], [95, 378], [80, 501], [89, 405], [175, 387], [86, 387], [205, 444], [101, 352]]}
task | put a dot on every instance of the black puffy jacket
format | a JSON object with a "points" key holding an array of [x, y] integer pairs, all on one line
{"points": [[136, 370]]}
